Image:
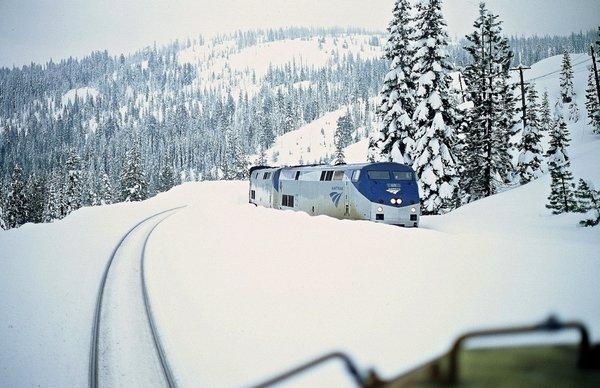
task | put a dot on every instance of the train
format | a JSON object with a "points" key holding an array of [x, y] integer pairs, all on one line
{"points": [[379, 192]]}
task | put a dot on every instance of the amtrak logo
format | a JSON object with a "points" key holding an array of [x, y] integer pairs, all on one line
{"points": [[393, 191], [335, 197]]}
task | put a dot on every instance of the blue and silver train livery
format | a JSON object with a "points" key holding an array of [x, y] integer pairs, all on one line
{"points": [[380, 192]]}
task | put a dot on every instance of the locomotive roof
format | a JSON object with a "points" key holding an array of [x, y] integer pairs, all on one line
{"points": [[325, 166]]}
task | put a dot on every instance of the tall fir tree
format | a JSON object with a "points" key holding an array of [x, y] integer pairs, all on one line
{"points": [[166, 177], [395, 142], [74, 185], [17, 205], [567, 91], [54, 208], [561, 198], [262, 157], [545, 113], [530, 148], [435, 116], [588, 201], [342, 137], [36, 195], [105, 190], [134, 186], [2, 222], [592, 104], [487, 162], [240, 160], [586, 197]]}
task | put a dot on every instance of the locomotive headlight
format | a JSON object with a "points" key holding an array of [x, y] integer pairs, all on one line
{"points": [[398, 201], [393, 201], [413, 210], [379, 209]]}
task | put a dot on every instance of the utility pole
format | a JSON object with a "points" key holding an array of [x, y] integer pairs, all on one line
{"points": [[524, 105], [596, 73]]}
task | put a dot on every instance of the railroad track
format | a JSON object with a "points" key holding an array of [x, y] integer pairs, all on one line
{"points": [[125, 345]]}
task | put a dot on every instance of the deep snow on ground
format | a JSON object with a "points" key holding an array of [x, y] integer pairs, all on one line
{"points": [[49, 277], [242, 293]]}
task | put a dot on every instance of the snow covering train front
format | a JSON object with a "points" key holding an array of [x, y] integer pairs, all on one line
{"points": [[379, 192]]}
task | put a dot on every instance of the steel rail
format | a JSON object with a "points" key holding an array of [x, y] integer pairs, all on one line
{"points": [[93, 364]]}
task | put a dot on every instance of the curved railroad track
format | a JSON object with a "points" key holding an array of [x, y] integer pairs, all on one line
{"points": [[109, 345]]}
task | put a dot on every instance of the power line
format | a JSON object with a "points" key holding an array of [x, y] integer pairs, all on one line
{"points": [[558, 71]]}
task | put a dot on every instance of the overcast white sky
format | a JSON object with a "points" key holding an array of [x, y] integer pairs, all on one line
{"points": [[38, 30]]}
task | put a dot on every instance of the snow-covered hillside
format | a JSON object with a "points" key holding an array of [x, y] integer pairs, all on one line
{"points": [[241, 293], [314, 142], [223, 66]]}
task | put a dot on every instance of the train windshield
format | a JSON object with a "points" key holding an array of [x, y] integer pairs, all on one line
{"points": [[403, 176], [379, 175]]}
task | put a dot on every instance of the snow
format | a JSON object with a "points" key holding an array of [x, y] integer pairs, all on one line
{"points": [[308, 144], [236, 303], [81, 93], [241, 293], [305, 51]]}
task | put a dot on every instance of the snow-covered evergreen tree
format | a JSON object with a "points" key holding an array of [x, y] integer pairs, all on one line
{"points": [[435, 117], [240, 161], [585, 197], [36, 198], [395, 142], [17, 205], [545, 113], [567, 91], [487, 164], [530, 149], [74, 185], [133, 181], [105, 190], [592, 104], [588, 201], [54, 207], [2, 222], [262, 157], [166, 177], [561, 199], [342, 137]]}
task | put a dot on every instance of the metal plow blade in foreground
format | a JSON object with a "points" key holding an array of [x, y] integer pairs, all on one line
{"points": [[516, 366]]}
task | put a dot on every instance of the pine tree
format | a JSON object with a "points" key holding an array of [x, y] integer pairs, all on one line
{"points": [[16, 202], [73, 194], [166, 177], [487, 162], [588, 201], [545, 113], [133, 182], [36, 195], [592, 105], [561, 199], [584, 195], [530, 149], [435, 117], [342, 137], [262, 157], [240, 160], [567, 91], [105, 190], [54, 208], [2, 222], [91, 189], [395, 142]]}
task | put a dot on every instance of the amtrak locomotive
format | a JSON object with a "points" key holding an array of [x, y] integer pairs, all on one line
{"points": [[380, 192]]}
